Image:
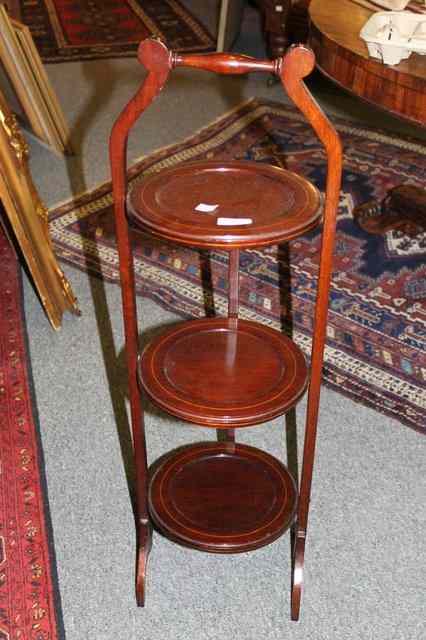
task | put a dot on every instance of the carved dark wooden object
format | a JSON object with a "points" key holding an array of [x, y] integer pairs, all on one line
{"points": [[403, 209], [284, 22], [275, 16], [228, 395]]}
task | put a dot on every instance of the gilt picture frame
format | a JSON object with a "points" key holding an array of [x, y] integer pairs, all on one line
{"points": [[28, 77], [27, 220]]}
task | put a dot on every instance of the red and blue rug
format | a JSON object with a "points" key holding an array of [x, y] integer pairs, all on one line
{"points": [[29, 598], [376, 333], [85, 29]]}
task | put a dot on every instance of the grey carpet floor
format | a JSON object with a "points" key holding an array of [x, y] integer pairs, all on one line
{"points": [[365, 560]]}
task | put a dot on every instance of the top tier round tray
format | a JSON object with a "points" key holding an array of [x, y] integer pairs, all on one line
{"points": [[225, 204], [226, 373]]}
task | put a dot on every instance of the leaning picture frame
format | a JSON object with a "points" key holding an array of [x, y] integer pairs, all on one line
{"points": [[26, 220], [29, 80]]}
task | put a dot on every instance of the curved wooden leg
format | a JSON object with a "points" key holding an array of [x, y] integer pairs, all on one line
{"points": [[297, 575], [144, 547]]}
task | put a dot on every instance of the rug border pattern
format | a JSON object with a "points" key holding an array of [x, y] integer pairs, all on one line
{"points": [[29, 567], [68, 52]]}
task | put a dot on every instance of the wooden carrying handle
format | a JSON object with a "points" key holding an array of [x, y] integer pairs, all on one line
{"points": [[223, 63], [154, 55]]}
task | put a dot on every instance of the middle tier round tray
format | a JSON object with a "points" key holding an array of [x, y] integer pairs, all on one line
{"points": [[223, 373], [222, 497]]}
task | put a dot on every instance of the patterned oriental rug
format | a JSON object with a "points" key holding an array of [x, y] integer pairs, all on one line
{"points": [[29, 598], [375, 351], [86, 29]]}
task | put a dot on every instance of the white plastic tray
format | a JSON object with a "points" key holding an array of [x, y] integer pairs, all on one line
{"points": [[391, 36], [395, 5]]}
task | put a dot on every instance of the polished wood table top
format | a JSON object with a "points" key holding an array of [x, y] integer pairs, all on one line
{"points": [[343, 57]]}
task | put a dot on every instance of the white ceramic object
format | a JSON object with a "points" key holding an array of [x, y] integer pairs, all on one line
{"points": [[391, 36], [393, 5]]}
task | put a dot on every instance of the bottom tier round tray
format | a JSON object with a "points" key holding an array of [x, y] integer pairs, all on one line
{"points": [[222, 497]]}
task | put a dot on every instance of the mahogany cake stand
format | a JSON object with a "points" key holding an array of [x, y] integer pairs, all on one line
{"points": [[225, 373]]}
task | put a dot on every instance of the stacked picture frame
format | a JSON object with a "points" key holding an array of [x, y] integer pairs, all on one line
{"points": [[25, 220], [34, 99], [27, 97]]}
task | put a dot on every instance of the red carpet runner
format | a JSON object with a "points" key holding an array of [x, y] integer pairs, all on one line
{"points": [[86, 29], [29, 599]]}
